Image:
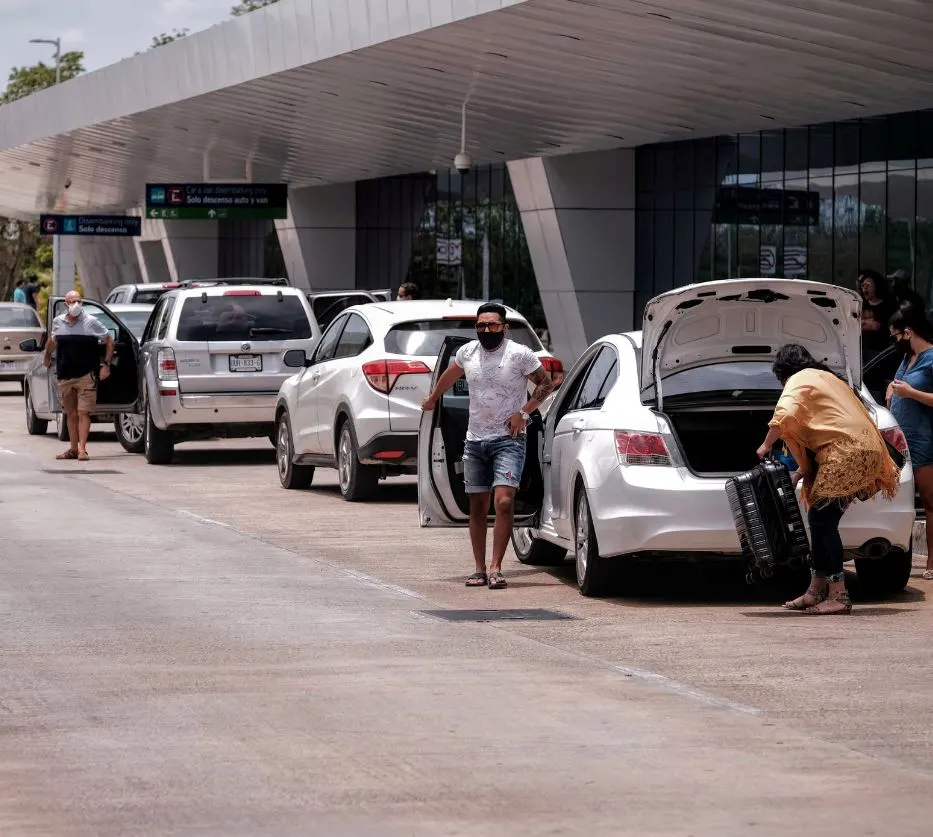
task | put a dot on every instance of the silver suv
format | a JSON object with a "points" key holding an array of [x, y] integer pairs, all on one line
{"points": [[211, 361], [141, 294]]}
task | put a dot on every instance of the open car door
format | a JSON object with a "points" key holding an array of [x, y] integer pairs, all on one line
{"points": [[442, 498], [120, 392]]}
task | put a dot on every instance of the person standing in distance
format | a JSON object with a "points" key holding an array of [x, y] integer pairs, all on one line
{"points": [[497, 371], [407, 292], [75, 336], [19, 295]]}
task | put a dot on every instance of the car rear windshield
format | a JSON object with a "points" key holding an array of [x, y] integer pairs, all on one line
{"points": [[148, 297], [19, 318], [135, 321], [237, 317], [737, 376], [425, 337]]}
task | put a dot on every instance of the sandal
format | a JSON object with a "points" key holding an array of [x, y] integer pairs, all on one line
{"points": [[497, 581], [809, 599], [68, 454], [927, 575], [477, 580], [838, 603], [83, 457]]}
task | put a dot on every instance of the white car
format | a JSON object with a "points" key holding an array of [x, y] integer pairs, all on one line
{"points": [[356, 404], [634, 450]]}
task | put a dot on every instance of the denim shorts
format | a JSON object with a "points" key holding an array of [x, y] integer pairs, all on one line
{"points": [[491, 462]]}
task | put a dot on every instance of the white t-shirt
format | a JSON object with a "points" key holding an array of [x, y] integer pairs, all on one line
{"points": [[498, 385]]}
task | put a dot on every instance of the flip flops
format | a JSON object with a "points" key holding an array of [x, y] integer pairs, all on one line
{"points": [[477, 580], [497, 581], [68, 454]]}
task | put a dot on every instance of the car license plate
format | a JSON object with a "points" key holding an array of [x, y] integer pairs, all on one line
{"points": [[246, 363], [7, 365], [461, 387]]}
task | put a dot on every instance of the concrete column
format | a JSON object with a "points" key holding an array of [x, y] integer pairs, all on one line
{"points": [[63, 264], [152, 262], [104, 263], [318, 239], [190, 249], [578, 212]]}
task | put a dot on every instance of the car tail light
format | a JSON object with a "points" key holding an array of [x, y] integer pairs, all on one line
{"points": [[636, 448], [242, 293], [554, 368], [894, 436], [168, 286], [382, 374], [168, 370]]}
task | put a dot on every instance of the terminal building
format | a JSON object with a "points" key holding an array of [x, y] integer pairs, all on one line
{"points": [[619, 149]]}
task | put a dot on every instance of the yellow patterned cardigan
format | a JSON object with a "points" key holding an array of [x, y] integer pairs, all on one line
{"points": [[819, 412]]}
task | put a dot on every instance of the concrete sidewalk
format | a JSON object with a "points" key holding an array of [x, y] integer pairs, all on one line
{"points": [[167, 676]]}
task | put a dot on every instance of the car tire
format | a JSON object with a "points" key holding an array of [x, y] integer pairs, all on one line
{"points": [[61, 428], [34, 425], [291, 476], [131, 430], [534, 551], [880, 577], [158, 445], [358, 482], [592, 571]]}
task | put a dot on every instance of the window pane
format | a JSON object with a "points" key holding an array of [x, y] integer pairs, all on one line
{"points": [[901, 221], [820, 249], [355, 338], [683, 248], [663, 250], [796, 151], [923, 280], [589, 396], [793, 258], [772, 156], [873, 150], [902, 140], [749, 158], [846, 226], [872, 208], [253, 318]]}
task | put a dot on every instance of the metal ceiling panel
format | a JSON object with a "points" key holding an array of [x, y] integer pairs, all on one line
{"points": [[320, 91]]}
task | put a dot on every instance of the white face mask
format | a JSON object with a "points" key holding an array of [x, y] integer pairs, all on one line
{"points": [[74, 309]]}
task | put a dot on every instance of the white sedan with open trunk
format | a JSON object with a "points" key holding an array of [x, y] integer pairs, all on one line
{"points": [[634, 449]]}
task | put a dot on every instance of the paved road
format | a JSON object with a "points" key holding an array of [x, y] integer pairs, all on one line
{"points": [[191, 649]]}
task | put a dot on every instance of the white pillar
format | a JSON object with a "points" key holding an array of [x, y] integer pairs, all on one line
{"points": [[63, 264], [104, 263], [190, 249], [318, 239], [578, 212]]}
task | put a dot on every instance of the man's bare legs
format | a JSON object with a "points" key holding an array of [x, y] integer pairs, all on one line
{"points": [[479, 510], [84, 430], [74, 432], [502, 531]]}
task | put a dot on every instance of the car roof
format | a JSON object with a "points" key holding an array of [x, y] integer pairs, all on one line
{"points": [[235, 290], [16, 305], [428, 309]]}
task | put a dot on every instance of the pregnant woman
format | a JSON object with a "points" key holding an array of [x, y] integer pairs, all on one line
{"points": [[841, 456], [910, 398]]}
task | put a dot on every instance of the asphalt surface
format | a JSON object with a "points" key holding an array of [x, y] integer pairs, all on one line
{"points": [[192, 650]]}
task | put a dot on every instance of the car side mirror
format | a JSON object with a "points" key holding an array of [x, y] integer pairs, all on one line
{"points": [[30, 345], [296, 359]]}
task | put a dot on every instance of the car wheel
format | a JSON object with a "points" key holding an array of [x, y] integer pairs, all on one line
{"points": [[531, 550], [130, 429], [357, 481], [591, 569], [34, 425], [879, 577], [158, 445], [61, 427], [291, 476]]}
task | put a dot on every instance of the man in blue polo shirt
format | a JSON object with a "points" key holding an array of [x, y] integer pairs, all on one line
{"points": [[75, 336]]}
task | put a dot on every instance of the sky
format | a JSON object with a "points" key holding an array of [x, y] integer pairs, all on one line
{"points": [[105, 30]]}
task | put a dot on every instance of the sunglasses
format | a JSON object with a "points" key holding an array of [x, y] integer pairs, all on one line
{"points": [[490, 326]]}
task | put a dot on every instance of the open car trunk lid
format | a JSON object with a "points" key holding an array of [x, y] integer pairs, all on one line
{"points": [[750, 319]]}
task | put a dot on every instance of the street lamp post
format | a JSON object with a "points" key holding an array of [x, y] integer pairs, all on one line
{"points": [[57, 43]]}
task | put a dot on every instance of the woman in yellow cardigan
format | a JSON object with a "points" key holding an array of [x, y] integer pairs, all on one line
{"points": [[841, 457]]}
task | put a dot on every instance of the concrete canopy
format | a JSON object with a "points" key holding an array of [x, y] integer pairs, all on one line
{"points": [[322, 91]]}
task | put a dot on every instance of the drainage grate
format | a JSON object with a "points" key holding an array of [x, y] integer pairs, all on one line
{"points": [[532, 614], [83, 472]]}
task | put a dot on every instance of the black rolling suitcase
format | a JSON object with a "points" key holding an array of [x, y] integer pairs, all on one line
{"points": [[767, 517]]}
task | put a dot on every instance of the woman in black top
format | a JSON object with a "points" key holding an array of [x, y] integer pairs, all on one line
{"points": [[876, 299]]}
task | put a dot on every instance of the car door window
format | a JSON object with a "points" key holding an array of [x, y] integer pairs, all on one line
{"points": [[570, 391], [166, 317], [153, 324], [99, 314], [326, 308], [355, 339], [328, 345], [599, 380]]}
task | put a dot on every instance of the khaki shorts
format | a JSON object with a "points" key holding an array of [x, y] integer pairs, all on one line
{"points": [[78, 394]]}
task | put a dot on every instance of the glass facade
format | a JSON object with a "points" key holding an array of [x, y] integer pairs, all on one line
{"points": [[821, 202], [454, 235]]}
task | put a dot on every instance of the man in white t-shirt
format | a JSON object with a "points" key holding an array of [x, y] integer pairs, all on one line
{"points": [[497, 371]]}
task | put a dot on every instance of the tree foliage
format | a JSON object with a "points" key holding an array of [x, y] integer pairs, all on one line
{"points": [[26, 80], [166, 38], [248, 6]]}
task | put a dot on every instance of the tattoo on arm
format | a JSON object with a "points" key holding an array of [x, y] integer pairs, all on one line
{"points": [[543, 384]]}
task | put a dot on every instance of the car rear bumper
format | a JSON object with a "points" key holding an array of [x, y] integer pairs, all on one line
{"points": [[213, 408], [15, 368], [654, 509], [396, 449]]}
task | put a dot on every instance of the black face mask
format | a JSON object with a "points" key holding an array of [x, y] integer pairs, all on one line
{"points": [[490, 340], [902, 345]]}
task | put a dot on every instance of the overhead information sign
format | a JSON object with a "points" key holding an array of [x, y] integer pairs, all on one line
{"points": [[119, 225], [217, 201]]}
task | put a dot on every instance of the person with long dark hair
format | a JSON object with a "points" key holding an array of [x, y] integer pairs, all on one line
{"points": [[910, 398], [877, 308], [841, 458]]}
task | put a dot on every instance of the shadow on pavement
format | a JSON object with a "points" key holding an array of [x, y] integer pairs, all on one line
{"points": [[388, 493], [199, 457]]}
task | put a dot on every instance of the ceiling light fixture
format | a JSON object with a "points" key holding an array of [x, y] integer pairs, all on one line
{"points": [[659, 15]]}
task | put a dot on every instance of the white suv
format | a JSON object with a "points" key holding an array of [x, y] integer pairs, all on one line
{"points": [[356, 403]]}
